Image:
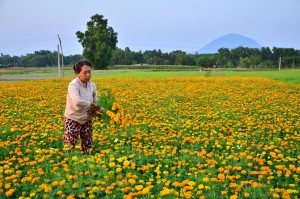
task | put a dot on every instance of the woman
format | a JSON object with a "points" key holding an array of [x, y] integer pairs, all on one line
{"points": [[81, 101]]}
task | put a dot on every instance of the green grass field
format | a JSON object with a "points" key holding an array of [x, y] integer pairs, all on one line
{"points": [[291, 76]]}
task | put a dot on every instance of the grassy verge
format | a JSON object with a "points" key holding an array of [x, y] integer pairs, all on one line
{"points": [[291, 76]]}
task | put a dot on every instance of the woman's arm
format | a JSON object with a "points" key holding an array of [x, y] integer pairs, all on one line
{"points": [[75, 97]]}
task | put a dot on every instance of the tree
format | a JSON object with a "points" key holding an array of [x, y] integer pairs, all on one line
{"points": [[266, 54], [98, 41], [245, 62], [153, 57], [237, 53], [184, 59], [287, 54], [206, 60], [138, 57], [172, 56], [224, 56]]}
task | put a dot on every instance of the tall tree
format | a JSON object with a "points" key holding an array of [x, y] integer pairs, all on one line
{"points": [[224, 56], [266, 53], [98, 41]]}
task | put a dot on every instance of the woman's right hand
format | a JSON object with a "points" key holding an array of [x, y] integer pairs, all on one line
{"points": [[101, 110]]}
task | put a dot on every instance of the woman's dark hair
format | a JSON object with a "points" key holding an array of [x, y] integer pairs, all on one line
{"points": [[78, 66]]}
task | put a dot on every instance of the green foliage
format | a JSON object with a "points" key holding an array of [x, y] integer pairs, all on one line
{"points": [[206, 61], [184, 59], [180, 135], [98, 41], [106, 100], [40, 58]]}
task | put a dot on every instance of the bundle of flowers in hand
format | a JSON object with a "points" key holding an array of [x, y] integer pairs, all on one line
{"points": [[113, 111]]}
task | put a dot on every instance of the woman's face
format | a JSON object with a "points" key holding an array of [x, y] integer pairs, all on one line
{"points": [[85, 74]]}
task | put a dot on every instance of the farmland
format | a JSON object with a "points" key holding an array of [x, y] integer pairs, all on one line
{"points": [[202, 136]]}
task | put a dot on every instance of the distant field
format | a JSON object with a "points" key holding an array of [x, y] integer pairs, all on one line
{"points": [[291, 76]]}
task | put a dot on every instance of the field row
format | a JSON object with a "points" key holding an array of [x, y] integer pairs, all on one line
{"points": [[184, 137]]}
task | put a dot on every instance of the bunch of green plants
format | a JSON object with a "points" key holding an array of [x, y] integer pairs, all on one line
{"points": [[106, 100]]}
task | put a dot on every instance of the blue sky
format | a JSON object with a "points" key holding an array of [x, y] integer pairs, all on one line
{"points": [[32, 25]]}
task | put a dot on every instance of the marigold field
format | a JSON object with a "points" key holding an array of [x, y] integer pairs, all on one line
{"points": [[181, 137]]}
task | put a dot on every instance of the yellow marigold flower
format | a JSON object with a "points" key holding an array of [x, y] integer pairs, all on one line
{"points": [[59, 192], [292, 167], [9, 192], [224, 192], [126, 163], [188, 194], [92, 196], [47, 189], [280, 155], [175, 184], [200, 186], [205, 179], [7, 186], [145, 190], [40, 171], [94, 189], [32, 194], [111, 164], [255, 184], [62, 182], [132, 181], [214, 179], [279, 172], [191, 183], [233, 197], [292, 185], [221, 169], [138, 187], [114, 106], [165, 191], [91, 166], [75, 186], [119, 170], [72, 196], [221, 176], [74, 158]]}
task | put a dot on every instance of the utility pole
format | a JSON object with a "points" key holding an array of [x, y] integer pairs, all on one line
{"points": [[62, 56], [58, 61], [279, 63]]}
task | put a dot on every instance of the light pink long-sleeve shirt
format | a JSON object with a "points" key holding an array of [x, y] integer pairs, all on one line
{"points": [[79, 99]]}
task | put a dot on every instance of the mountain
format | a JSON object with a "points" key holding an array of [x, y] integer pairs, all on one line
{"points": [[228, 41]]}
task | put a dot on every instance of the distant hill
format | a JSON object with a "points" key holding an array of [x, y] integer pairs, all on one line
{"points": [[228, 41]]}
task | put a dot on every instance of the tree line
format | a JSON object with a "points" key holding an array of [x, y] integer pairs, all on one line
{"points": [[42, 58], [225, 58]]}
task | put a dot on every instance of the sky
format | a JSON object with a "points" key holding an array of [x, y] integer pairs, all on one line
{"points": [[188, 25]]}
